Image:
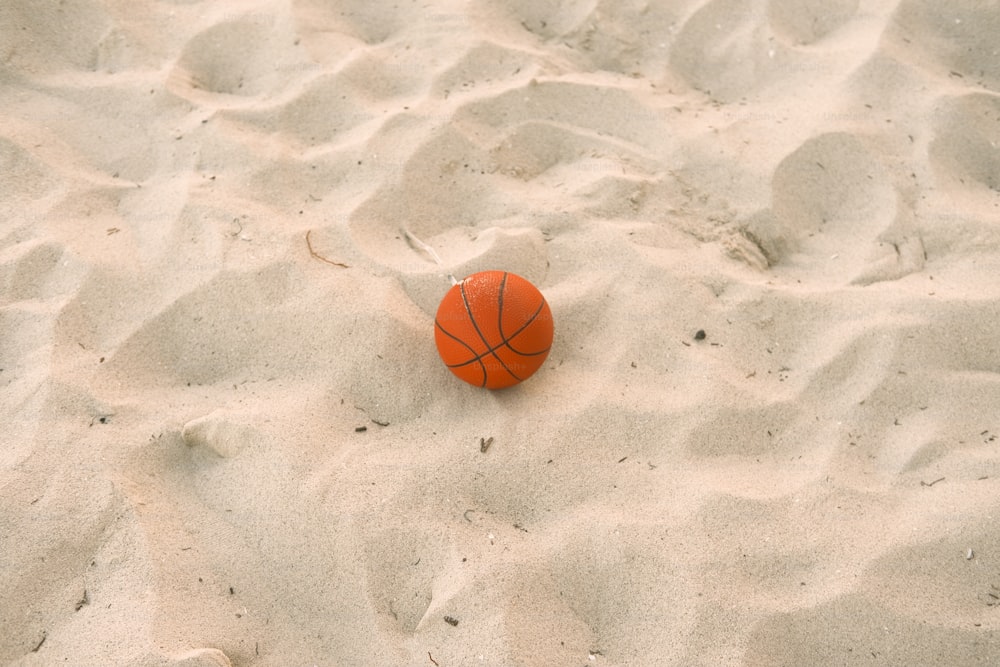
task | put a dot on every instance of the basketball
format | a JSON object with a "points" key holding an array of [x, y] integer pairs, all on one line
{"points": [[493, 329]]}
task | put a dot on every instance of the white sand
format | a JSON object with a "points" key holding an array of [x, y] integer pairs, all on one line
{"points": [[815, 184]]}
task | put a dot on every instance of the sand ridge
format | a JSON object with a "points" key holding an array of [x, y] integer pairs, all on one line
{"points": [[222, 450]]}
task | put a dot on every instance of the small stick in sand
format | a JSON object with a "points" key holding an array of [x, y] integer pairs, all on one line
{"points": [[319, 256], [414, 241]]}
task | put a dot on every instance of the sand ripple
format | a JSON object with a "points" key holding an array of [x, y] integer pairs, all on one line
{"points": [[766, 433]]}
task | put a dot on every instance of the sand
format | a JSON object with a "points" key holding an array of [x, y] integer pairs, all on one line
{"points": [[224, 445]]}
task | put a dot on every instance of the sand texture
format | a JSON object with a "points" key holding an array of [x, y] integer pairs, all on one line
{"points": [[227, 437]]}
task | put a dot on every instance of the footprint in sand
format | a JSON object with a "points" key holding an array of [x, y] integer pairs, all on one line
{"points": [[443, 198], [955, 40], [727, 48], [325, 23], [808, 21], [218, 433], [966, 145], [236, 60], [24, 178], [464, 189], [835, 209], [51, 38]]}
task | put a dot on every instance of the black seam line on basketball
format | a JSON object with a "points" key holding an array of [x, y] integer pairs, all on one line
{"points": [[475, 325], [490, 350], [503, 284], [468, 311], [478, 358], [506, 341], [493, 352], [522, 328], [503, 339]]}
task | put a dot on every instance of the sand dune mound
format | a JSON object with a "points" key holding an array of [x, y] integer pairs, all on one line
{"points": [[766, 432]]}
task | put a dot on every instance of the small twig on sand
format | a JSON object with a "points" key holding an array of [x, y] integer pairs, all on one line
{"points": [[319, 256]]}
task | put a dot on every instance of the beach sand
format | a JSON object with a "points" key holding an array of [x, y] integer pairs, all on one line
{"points": [[228, 437]]}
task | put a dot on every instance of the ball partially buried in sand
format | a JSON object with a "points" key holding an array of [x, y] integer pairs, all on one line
{"points": [[493, 329]]}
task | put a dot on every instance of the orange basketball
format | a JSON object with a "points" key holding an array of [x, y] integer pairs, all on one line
{"points": [[493, 329]]}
